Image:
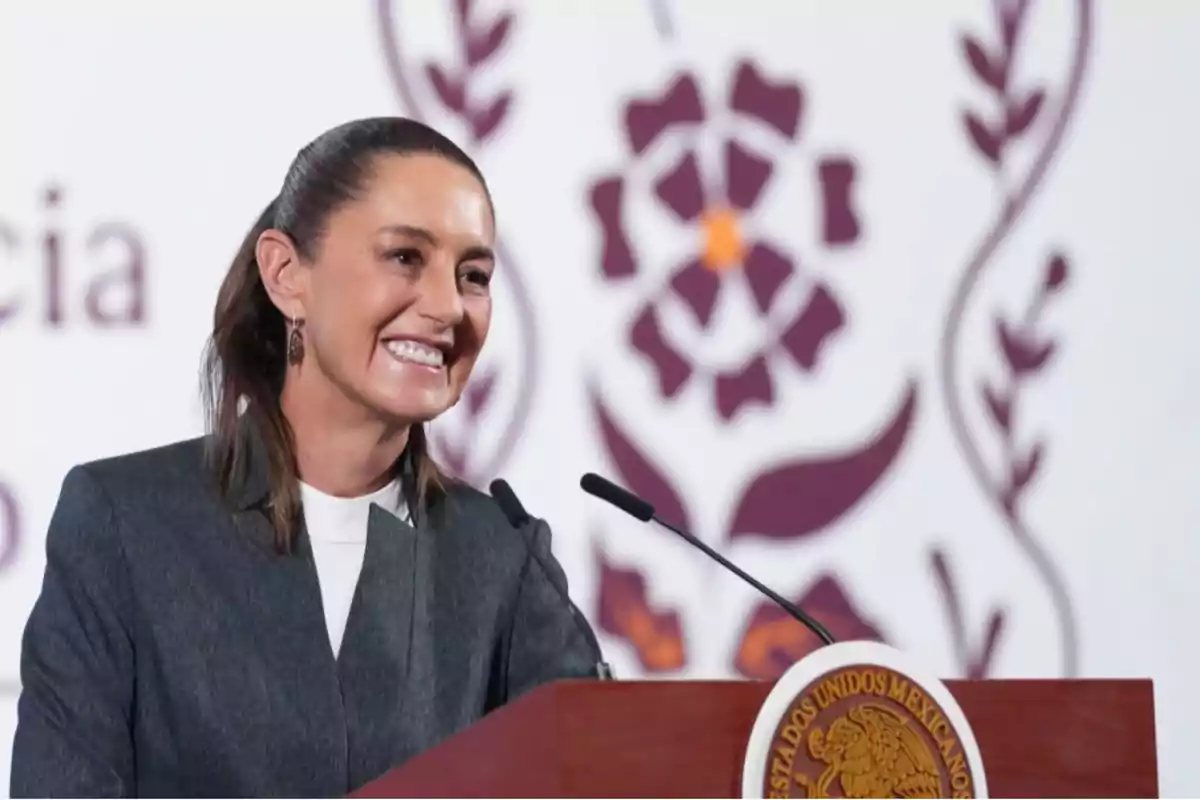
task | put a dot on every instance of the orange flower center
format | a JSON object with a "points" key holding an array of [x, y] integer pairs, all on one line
{"points": [[723, 244]]}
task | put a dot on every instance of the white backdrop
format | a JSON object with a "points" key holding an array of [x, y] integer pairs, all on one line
{"points": [[933, 370]]}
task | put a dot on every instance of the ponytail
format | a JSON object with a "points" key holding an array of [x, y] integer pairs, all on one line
{"points": [[430, 481], [245, 364]]}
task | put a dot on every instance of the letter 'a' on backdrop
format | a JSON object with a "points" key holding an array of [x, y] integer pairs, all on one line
{"points": [[861, 719]]}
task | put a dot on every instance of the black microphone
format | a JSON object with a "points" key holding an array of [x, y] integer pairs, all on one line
{"points": [[518, 517], [638, 508]]}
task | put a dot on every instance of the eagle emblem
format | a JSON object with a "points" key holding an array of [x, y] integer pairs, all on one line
{"points": [[860, 719], [871, 752]]}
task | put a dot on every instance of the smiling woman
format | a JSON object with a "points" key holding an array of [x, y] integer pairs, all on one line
{"points": [[376, 257], [270, 593]]}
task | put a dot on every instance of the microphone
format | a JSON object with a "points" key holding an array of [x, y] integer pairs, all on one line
{"points": [[518, 517], [638, 508]]}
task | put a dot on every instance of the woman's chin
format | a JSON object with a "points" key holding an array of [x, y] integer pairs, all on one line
{"points": [[414, 408]]}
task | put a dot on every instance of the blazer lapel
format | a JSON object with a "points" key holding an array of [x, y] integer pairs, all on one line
{"points": [[285, 618], [374, 661], [365, 694]]}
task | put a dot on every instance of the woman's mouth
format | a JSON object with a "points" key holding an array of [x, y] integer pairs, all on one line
{"points": [[413, 352]]}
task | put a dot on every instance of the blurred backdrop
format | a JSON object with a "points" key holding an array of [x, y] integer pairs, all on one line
{"points": [[893, 303]]}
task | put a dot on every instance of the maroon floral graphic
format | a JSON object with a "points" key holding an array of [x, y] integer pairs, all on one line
{"points": [[975, 663], [1023, 349], [772, 641], [797, 497], [458, 94], [800, 498], [782, 502], [10, 526], [636, 471], [718, 210], [656, 635]]}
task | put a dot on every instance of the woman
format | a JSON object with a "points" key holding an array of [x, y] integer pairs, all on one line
{"points": [[300, 600]]}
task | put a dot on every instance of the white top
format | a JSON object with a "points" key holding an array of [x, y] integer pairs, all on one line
{"points": [[337, 529]]}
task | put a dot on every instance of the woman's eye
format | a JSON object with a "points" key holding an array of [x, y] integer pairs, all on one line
{"points": [[409, 256], [478, 277]]}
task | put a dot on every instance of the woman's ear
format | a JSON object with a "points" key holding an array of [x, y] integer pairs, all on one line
{"points": [[283, 276]]}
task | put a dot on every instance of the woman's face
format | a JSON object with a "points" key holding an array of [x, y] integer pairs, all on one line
{"points": [[397, 301]]}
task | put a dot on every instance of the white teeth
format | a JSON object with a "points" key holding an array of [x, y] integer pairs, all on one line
{"points": [[416, 352]]}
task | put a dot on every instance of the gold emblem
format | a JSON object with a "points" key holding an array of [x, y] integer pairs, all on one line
{"points": [[866, 731]]}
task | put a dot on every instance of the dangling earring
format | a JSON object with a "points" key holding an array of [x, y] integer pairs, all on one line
{"points": [[295, 342]]}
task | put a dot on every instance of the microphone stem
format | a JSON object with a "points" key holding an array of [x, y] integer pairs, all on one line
{"points": [[804, 619]]}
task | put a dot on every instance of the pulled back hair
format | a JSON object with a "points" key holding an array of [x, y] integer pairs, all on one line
{"points": [[246, 357]]}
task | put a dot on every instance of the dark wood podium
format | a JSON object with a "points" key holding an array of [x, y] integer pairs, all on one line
{"points": [[1039, 738]]}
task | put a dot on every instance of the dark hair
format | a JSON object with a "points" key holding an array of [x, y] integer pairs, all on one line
{"points": [[246, 358]]}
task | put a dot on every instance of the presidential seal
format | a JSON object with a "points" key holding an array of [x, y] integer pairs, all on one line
{"points": [[857, 719]]}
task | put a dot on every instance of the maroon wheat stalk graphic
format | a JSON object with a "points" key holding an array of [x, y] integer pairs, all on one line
{"points": [[976, 662], [478, 44], [1025, 356], [1023, 350]]}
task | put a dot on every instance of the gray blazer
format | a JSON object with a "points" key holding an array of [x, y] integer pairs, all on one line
{"points": [[173, 652]]}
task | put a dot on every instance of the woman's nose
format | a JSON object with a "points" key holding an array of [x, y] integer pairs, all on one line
{"points": [[440, 298]]}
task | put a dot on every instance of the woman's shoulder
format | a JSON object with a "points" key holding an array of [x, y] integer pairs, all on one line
{"points": [[151, 472], [168, 477], [102, 502], [464, 506], [478, 520]]}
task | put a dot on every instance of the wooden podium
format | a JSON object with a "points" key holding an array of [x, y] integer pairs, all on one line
{"points": [[1039, 738]]}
